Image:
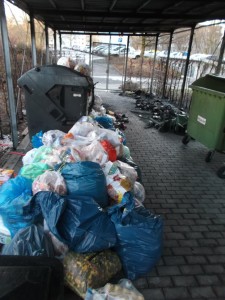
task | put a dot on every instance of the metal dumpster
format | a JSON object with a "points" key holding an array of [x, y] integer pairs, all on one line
{"points": [[206, 121], [55, 97]]}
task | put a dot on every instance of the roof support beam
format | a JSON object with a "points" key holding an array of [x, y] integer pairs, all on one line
{"points": [[167, 65], [143, 5], [33, 42], [112, 5], [186, 66], [125, 14], [11, 97], [222, 48]]}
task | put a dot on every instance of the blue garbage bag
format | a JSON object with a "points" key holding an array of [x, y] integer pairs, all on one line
{"points": [[105, 121], [15, 194], [139, 236], [86, 178], [78, 222]]}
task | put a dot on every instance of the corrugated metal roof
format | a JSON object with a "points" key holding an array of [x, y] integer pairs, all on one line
{"points": [[123, 16]]}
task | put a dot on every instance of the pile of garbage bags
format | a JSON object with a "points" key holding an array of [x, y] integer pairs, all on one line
{"points": [[79, 197]]}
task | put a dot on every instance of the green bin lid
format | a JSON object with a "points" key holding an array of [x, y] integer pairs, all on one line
{"points": [[211, 82]]}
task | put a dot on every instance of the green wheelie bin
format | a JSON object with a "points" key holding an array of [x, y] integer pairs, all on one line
{"points": [[206, 122]]}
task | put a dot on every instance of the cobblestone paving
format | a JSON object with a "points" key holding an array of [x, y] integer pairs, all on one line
{"points": [[186, 192]]}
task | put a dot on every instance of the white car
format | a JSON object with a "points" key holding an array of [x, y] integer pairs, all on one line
{"points": [[133, 53], [198, 56]]}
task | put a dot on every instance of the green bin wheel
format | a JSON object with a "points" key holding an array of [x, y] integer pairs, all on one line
{"points": [[209, 156], [186, 139], [221, 172]]}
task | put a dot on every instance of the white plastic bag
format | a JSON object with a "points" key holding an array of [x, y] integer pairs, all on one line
{"points": [[82, 129], [29, 157]]}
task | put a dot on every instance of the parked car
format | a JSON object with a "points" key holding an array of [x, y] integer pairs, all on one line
{"points": [[198, 56], [133, 53]]}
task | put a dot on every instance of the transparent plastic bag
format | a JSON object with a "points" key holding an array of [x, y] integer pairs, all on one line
{"points": [[82, 128], [51, 181], [127, 170], [90, 270], [28, 158], [139, 191], [124, 290], [110, 135], [52, 138], [95, 153]]}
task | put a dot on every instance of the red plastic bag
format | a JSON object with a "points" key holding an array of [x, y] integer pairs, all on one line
{"points": [[109, 149]]}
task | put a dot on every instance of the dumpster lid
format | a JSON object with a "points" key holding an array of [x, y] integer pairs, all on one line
{"points": [[211, 82]]}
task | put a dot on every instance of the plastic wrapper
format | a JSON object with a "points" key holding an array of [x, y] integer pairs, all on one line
{"points": [[50, 181], [111, 151], [15, 194], [95, 152], [93, 270], [139, 191], [117, 184], [78, 222], [132, 225], [33, 170], [127, 171], [52, 138], [124, 290], [30, 241]]}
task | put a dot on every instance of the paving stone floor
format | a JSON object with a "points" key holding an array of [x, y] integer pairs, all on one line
{"points": [[186, 192]]}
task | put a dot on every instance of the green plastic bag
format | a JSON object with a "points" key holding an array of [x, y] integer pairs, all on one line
{"points": [[33, 170]]}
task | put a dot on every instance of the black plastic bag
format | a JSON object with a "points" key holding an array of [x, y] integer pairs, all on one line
{"points": [[30, 241]]}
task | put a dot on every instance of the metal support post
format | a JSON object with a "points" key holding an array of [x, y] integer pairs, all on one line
{"points": [[167, 64], [33, 42], [55, 47], [107, 71], [153, 68], [90, 50], [186, 66], [60, 43], [125, 75], [11, 97], [220, 60], [46, 45]]}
